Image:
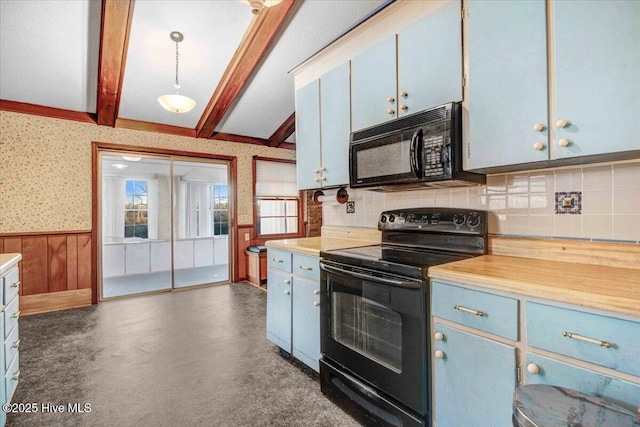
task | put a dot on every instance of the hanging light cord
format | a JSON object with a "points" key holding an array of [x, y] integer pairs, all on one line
{"points": [[177, 83]]}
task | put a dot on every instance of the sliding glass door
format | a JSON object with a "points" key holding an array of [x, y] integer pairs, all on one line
{"points": [[164, 223], [201, 223]]}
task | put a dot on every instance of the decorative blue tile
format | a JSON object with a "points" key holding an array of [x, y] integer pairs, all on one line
{"points": [[351, 207], [569, 202]]}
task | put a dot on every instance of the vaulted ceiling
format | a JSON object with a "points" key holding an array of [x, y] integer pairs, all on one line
{"points": [[108, 61]]}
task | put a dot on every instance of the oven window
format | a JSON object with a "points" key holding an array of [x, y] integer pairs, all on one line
{"points": [[388, 159], [369, 328]]}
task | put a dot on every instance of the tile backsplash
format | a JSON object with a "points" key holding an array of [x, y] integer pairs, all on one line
{"points": [[524, 203]]}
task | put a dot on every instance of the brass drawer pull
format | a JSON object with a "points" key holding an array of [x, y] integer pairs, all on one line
{"points": [[304, 267], [16, 315], [16, 376], [586, 339], [276, 259], [16, 344], [469, 310], [15, 285]]}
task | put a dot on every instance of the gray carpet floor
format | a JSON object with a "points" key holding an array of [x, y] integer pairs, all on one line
{"points": [[194, 358]]}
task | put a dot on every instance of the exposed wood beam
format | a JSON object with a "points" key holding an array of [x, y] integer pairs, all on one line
{"points": [[114, 38], [283, 132], [252, 48], [155, 127], [239, 138], [287, 146], [39, 110]]}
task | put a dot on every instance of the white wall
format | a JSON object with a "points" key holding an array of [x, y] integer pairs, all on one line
{"points": [[523, 203]]}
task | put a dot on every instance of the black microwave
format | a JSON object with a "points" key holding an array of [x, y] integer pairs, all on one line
{"points": [[420, 150]]}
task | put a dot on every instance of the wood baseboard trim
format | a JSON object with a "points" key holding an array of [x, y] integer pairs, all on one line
{"points": [[43, 303]]}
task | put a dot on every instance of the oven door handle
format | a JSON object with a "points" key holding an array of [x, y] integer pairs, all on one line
{"points": [[391, 282]]}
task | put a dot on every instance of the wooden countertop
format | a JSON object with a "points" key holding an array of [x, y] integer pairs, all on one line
{"points": [[608, 288], [313, 245], [8, 260]]}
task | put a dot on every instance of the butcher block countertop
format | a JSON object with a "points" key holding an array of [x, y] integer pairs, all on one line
{"points": [[313, 245], [613, 289]]}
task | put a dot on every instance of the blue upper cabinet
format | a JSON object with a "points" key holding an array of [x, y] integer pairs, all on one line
{"points": [[506, 44], [374, 85], [429, 61], [308, 160], [335, 120], [597, 72]]}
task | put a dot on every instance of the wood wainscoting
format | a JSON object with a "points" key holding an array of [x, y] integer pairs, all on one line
{"points": [[55, 271], [243, 239]]}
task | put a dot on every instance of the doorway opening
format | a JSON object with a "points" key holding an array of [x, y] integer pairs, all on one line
{"points": [[164, 223]]}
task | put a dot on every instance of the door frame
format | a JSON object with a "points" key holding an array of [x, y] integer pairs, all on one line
{"points": [[97, 147]]}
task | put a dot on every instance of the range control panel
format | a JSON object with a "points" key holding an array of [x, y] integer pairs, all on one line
{"points": [[434, 220]]}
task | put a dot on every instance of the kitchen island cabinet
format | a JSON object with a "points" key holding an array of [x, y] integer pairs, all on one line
{"points": [[9, 331], [591, 53]]}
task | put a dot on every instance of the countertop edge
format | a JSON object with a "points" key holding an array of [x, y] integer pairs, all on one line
{"points": [[8, 260]]}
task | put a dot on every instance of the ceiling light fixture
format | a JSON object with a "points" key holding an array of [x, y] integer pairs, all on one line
{"points": [[258, 5], [177, 103]]}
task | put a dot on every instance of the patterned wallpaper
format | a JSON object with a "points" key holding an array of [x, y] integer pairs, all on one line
{"points": [[45, 169]]}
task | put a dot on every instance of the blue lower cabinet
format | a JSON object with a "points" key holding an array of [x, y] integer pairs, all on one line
{"points": [[545, 370], [475, 378], [279, 309], [306, 322]]}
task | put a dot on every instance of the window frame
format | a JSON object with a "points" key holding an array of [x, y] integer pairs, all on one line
{"points": [[300, 199]]}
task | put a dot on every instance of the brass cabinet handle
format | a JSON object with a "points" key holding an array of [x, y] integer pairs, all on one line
{"points": [[469, 310], [16, 344], [586, 339], [304, 267], [16, 376], [16, 315], [15, 285]]}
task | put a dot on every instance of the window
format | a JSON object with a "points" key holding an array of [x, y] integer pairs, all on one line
{"points": [[136, 210], [278, 203], [220, 210]]}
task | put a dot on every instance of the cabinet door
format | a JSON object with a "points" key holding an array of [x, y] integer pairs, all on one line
{"points": [[374, 84], [474, 380], [308, 135], [279, 309], [306, 322], [597, 58], [507, 82], [430, 61], [335, 114], [553, 372]]}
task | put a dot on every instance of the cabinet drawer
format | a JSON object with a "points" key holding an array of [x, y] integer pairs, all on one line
{"points": [[549, 328], [11, 315], [11, 346], [280, 260], [11, 377], [306, 266], [488, 312], [11, 286], [554, 372]]}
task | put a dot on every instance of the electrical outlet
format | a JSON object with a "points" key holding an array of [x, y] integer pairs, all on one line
{"points": [[246, 237], [351, 207]]}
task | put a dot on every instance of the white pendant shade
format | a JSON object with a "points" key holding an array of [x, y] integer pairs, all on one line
{"points": [[258, 5], [177, 103]]}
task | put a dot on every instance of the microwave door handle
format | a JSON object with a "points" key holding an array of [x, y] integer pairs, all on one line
{"points": [[415, 153]]}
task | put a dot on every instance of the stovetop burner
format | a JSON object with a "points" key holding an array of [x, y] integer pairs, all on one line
{"points": [[415, 239]]}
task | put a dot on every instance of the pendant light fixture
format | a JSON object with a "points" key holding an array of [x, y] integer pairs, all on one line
{"points": [[258, 5], [176, 103]]}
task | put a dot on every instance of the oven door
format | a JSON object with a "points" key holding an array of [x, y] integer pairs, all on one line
{"points": [[375, 325], [391, 159]]}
